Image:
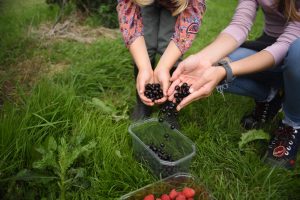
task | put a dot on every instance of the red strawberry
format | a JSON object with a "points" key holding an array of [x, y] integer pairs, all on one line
{"points": [[158, 199], [173, 194], [190, 199], [149, 197], [188, 192], [165, 197], [180, 197]]}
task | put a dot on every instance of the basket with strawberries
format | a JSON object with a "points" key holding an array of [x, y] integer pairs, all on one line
{"points": [[180, 186]]}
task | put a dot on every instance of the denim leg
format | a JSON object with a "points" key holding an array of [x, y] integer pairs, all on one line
{"points": [[291, 75], [247, 85]]}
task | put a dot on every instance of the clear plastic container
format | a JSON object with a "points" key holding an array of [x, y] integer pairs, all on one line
{"points": [[174, 150], [176, 181]]}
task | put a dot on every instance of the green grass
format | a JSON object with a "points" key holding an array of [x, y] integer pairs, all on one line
{"points": [[79, 119], [16, 17]]}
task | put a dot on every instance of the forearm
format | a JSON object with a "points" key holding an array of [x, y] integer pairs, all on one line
{"points": [[223, 45], [139, 53], [254, 63], [170, 56]]}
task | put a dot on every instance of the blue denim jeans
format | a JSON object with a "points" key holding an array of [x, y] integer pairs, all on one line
{"points": [[259, 85]]}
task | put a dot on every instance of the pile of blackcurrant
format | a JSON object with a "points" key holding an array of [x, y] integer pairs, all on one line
{"points": [[160, 152], [181, 92], [153, 91], [168, 110]]}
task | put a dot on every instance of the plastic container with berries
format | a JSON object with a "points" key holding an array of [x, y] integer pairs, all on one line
{"points": [[178, 185], [162, 148]]}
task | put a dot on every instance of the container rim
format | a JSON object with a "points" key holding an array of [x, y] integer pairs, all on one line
{"points": [[169, 163], [179, 174]]}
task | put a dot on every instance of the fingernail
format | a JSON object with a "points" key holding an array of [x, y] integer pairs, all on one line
{"points": [[178, 108], [191, 90]]}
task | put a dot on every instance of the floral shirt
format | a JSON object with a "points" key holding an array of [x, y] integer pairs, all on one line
{"points": [[186, 27]]}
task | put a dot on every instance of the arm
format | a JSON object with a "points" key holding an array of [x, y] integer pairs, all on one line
{"points": [[234, 34], [257, 62], [186, 28], [188, 24], [130, 21], [227, 41], [271, 55], [199, 65], [131, 26], [279, 49]]}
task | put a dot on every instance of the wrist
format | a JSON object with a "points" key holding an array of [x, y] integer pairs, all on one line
{"points": [[145, 69], [205, 58], [202, 60], [160, 68], [221, 73]]}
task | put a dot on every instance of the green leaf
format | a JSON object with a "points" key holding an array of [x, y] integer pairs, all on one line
{"points": [[252, 135], [48, 160], [52, 145], [100, 104], [118, 153]]}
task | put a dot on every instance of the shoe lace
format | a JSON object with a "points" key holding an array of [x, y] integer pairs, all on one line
{"points": [[261, 111], [265, 110], [285, 136]]}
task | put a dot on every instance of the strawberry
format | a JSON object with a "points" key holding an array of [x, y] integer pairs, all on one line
{"points": [[158, 199], [165, 197], [173, 194], [180, 197], [149, 197], [188, 192], [190, 199]]}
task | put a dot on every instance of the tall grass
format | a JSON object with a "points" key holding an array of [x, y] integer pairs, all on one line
{"points": [[15, 19], [68, 139]]}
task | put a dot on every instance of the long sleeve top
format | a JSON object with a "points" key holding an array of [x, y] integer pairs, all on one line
{"points": [[276, 25], [186, 27]]}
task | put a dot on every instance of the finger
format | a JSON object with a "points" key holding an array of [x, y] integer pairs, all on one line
{"points": [[141, 90], [165, 85], [172, 87], [162, 100], [178, 71], [195, 83], [186, 79], [146, 101], [199, 94]]}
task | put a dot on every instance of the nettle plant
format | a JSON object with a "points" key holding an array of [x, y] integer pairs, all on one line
{"points": [[58, 164]]}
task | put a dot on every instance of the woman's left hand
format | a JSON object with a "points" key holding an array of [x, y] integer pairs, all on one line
{"points": [[200, 86], [162, 76]]}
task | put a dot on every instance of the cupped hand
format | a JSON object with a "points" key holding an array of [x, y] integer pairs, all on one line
{"points": [[200, 86], [193, 65], [162, 76], [144, 77]]}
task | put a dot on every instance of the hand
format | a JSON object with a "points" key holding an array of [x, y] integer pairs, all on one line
{"points": [[162, 76], [192, 65], [200, 86], [144, 77]]}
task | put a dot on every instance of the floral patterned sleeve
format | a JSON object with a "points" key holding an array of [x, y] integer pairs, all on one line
{"points": [[130, 21], [188, 24]]}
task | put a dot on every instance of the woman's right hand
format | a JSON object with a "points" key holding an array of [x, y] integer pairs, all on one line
{"points": [[144, 77]]}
